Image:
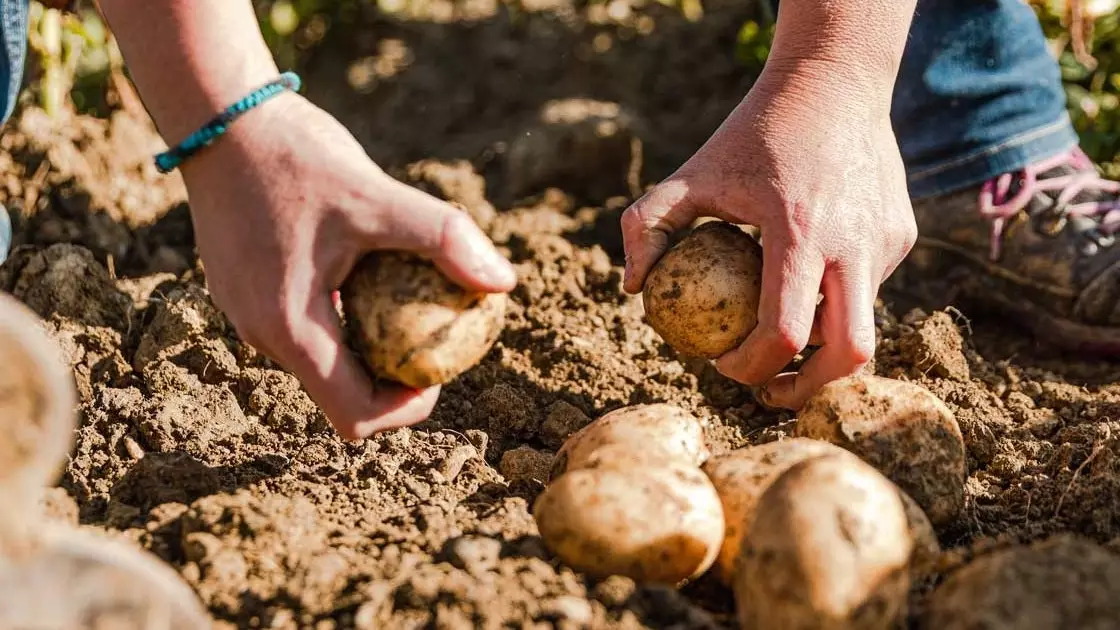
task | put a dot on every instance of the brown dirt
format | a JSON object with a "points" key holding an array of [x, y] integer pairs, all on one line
{"points": [[209, 456]]}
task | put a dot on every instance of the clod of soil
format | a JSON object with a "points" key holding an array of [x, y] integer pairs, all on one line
{"points": [[828, 548], [1065, 581], [413, 325], [902, 429], [702, 295]]}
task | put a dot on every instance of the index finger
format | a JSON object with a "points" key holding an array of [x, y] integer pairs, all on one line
{"points": [[646, 226]]}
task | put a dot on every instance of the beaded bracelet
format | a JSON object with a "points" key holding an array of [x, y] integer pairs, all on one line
{"points": [[208, 133]]}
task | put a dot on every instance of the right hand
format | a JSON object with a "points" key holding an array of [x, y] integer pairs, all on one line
{"points": [[283, 207], [810, 158]]}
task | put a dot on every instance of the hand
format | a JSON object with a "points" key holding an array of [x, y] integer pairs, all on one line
{"points": [[283, 206], [810, 159]]}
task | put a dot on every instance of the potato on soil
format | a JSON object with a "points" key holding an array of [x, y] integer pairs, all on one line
{"points": [[412, 324], [658, 430], [77, 579], [741, 476], [1062, 582], [37, 411], [702, 295], [653, 524], [828, 548], [901, 429]]}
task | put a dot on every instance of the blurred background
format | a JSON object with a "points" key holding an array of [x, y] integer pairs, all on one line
{"points": [[76, 66]]}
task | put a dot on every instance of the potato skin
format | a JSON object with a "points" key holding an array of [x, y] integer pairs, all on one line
{"points": [[412, 325], [741, 476], [1064, 581], [660, 431], [828, 548], [658, 524], [702, 295], [901, 429]]}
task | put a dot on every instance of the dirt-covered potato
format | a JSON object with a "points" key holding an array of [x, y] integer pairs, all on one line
{"points": [[76, 579], [37, 410], [901, 429], [1062, 582], [413, 325], [653, 524], [741, 476], [702, 295], [927, 548], [662, 431], [828, 548]]}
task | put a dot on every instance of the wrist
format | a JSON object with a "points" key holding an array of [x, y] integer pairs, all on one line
{"points": [[830, 84], [862, 42], [201, 100]]}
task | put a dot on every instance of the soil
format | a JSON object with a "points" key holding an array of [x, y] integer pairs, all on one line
{"points": [[544, 122]]}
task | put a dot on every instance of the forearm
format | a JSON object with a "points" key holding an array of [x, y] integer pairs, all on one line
{"points": [[864, 38], [190, 58]]}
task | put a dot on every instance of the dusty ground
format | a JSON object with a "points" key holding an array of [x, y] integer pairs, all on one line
{"points": [[216, 461]]}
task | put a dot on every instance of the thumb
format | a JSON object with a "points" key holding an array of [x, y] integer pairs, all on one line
{"points": [[646, 226], [418, 222]]}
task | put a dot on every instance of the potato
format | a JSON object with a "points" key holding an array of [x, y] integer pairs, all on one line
{"points": [[661, 431], [658, 524], [1062, 582], [741, 476], [77, 579], [412, 325], [901, 429], [828, 548], [37, 407], [702, 295], [927, 548]]}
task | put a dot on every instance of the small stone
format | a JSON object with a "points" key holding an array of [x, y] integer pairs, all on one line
{"points": [[568, 608], [614, 591], [563, 420], [452, 465], [134, 450], [475, 554], [525, 463]]}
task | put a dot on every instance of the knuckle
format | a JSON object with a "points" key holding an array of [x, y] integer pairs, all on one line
{"points": [[861, 347], [789, 337]]}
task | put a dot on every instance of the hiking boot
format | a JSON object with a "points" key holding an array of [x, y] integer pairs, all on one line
{"points": [[1039, 245]]}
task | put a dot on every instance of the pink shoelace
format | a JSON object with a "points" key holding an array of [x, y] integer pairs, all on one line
{"points": [[997, 205]]}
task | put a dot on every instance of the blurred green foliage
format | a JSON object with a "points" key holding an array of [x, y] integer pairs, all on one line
{"points": [[77, 54]]}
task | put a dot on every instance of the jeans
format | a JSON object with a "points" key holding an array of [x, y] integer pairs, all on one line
{"points": [[978, 95]]}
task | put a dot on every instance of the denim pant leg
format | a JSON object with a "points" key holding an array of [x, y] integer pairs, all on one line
{"points": [[978, 94], [13, 55]]}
